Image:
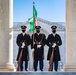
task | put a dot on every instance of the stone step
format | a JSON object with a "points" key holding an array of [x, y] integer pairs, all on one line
{"points": [[37, 73]]}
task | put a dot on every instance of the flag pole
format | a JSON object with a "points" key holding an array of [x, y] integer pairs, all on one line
{"points": [[33, 36], [33, 22]]}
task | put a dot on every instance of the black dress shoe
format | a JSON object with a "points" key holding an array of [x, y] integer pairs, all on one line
{"points": [[41, 70], [21, 69], [26, 70], [35, 70]]}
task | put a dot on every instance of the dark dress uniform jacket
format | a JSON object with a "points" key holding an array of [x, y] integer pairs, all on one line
{"points": [[26, 40], [38, 52], [54, 39]]}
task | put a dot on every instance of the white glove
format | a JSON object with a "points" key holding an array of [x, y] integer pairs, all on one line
{"points": [[54, 45], [34, 42], [23, 44], [32, 49], [38, 46]]}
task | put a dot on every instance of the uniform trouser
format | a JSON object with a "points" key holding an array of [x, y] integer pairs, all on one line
{"points": [[21, 65], [55, 66], [40, 64]]}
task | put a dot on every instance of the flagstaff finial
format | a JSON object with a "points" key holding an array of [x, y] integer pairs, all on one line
{"points": [[33, 3]]}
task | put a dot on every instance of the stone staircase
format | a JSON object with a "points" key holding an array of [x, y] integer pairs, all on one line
{"points": [[37, 73]]}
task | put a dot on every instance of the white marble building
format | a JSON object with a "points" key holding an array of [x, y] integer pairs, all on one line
{"points": [[46, 29]]}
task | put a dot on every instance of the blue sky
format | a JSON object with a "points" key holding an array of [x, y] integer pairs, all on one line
{"points": [[51, 10]]}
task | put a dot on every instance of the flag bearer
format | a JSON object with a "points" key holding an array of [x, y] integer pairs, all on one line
{"points": [[38, 42]]}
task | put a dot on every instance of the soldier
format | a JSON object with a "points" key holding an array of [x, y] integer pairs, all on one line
{"points": [[23, 41], [54, 41], [38, 42]]}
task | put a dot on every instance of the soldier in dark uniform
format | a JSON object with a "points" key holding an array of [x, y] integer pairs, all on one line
{"points": [[23, 40], [38, 48], [54, 41]]}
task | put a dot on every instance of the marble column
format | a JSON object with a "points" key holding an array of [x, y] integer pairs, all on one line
{"points": [[70, 36], [6, 35]]}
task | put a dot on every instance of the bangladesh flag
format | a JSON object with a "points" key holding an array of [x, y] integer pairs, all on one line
{"points": [[33, 20]]}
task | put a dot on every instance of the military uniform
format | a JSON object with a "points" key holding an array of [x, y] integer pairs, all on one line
{"points": [[23, 38], [39, 40], [51, 40]]}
